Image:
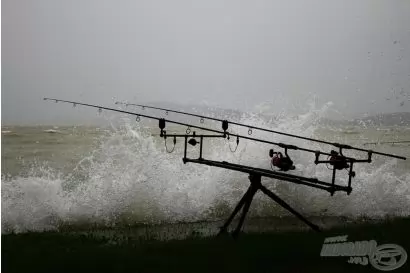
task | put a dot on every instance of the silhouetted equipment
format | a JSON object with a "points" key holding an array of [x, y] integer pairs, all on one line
{"points": [[284, 163], [337, 160]]}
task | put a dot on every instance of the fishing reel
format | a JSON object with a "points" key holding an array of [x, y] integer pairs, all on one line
{"points": [[284, 163], [339, 162]]}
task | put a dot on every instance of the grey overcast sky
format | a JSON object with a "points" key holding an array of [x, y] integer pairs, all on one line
{"points": [[235, 54]]}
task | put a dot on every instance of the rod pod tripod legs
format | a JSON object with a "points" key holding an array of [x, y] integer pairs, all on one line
{"points": [[246, 201]]}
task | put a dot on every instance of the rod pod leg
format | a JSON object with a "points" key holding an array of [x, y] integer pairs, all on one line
{"points": [[246, 201], [254, 187], [275, 198], [244, 198]]}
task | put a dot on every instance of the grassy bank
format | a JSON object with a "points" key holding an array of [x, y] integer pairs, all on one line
{"points": [[291, 251]]}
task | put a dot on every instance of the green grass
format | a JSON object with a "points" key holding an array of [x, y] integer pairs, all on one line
{"points": [[259, 252]]}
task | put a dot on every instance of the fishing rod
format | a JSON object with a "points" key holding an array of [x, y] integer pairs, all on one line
{"points": [[225, 124], [283, 163], [250, 127]]}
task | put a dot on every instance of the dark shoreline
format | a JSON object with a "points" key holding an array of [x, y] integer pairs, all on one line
{"points": [[181, 230], [270, 251]]}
